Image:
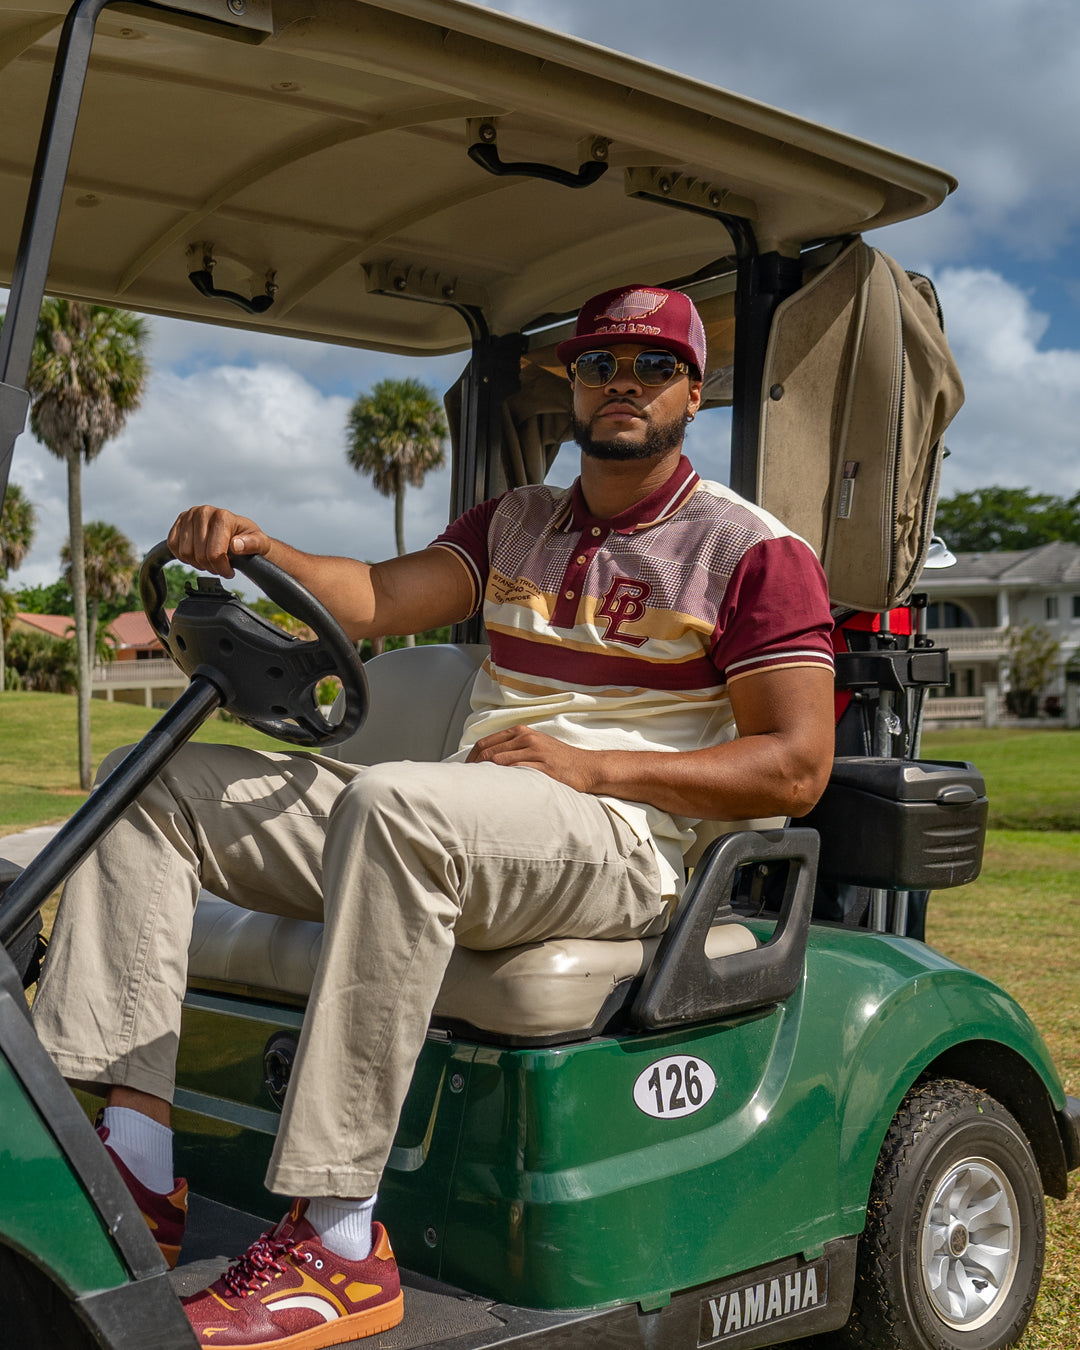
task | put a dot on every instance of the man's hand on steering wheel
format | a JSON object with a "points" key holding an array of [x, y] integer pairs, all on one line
{"points": [[204, 536], [262, 674]]}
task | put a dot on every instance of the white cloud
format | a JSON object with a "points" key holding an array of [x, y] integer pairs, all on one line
{"points": [[178, 344], [262, 440], [1019, 425]]}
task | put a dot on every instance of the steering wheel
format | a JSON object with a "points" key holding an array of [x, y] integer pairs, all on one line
{"points": [[265, 676]]}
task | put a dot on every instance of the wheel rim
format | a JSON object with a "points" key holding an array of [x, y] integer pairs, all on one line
{"points": [[970, 1243]]}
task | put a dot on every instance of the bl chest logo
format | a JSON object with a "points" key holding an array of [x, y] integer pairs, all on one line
{"points": [[624, 603]]}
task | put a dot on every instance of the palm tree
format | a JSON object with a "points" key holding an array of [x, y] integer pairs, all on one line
{"points": [[87, 374], [396, 434], [18, 521], [110, 563]]}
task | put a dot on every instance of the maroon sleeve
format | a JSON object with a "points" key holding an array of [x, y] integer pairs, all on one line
{"points": [[467, 539], [775, 612]]}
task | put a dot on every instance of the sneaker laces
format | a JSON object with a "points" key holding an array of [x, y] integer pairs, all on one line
{"points": [[266, 1256]]}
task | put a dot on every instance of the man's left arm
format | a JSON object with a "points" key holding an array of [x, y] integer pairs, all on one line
{"points": [[778, 766]]}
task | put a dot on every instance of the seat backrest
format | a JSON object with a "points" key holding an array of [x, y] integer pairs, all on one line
{"points": [[419, 703]]}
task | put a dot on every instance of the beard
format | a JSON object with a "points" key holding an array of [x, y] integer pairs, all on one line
{"points": [[658, 441]]}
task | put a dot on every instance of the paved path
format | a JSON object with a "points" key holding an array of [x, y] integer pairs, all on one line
{"points": [[20, 848]]}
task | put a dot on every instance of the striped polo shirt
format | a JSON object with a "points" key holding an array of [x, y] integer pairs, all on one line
{"points": [[625, 633]]}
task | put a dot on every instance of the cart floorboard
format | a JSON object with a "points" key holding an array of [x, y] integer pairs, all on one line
{"points": [[435, 1313]]}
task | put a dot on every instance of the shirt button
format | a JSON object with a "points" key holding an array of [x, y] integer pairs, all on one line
{"points": [[569, 595], [595, 530], [581, 558]]}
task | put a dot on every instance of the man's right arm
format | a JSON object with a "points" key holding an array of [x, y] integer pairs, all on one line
{"points": [[403, 595]]}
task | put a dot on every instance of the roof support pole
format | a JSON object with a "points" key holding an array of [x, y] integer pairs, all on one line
{"points": [[763, 280], [492, 375], [469, 476], [39, 222]]}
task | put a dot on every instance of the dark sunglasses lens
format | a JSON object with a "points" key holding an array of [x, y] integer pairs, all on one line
{"points": [[655, 367], [595, 368]]}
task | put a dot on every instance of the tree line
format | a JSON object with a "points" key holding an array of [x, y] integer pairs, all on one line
{"points": [[1006, 519]]}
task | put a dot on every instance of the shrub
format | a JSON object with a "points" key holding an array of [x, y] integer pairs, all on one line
{"points": [[40, 663], [1033, 655]]}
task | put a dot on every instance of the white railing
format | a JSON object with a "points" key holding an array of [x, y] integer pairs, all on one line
{"points": [[991, 641], [961, 709], [158, 670], [954, 709]]}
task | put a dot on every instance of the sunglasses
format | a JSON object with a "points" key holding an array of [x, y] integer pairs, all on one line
{"points": [[595, 369]]}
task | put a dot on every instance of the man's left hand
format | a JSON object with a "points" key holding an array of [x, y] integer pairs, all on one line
{"points": [[525, 747]]}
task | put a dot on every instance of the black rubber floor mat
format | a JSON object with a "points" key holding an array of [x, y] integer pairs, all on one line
{"points": [[434, 1313]]}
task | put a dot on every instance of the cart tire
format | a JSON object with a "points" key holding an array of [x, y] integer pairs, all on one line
{"points": [[927, 1277], [34, 1313]]}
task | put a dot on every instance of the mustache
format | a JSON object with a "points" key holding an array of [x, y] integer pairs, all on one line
{"points": [[619, 403]]}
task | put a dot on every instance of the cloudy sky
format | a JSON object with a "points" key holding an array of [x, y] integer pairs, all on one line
{"points": [[988, 89]]}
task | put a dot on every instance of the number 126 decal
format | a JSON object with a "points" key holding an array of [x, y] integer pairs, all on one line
{"points": [[674, 1087]]}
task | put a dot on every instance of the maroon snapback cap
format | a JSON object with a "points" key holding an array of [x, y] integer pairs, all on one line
{"points": [[650, 315]]}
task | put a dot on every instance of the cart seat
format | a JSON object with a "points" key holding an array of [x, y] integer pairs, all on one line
{"points": [[540, 993], [563, 989]]}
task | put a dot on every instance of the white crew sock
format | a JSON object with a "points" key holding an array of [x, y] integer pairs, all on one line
{"points": [[142, 1145], [343, 1226]]}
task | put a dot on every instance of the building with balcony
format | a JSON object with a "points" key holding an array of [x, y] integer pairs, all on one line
{"points": [[974, 604], [141, 671]]}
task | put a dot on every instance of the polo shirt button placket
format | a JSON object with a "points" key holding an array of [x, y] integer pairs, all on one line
{"points": [[577, 569]]}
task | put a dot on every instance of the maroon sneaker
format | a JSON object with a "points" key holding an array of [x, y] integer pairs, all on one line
{"points": [[287, 1292], [165, 1215]]}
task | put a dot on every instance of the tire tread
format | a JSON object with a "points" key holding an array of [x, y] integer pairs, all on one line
{"points": [[875, 1323]]}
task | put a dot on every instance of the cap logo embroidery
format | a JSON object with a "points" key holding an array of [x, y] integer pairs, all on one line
{"points": [[634, 305]]}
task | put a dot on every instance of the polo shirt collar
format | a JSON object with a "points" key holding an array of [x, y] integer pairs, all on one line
{"points": [[651, 510]]}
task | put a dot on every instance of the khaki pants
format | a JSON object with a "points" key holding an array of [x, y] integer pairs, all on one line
{"points": [[399, 860]]}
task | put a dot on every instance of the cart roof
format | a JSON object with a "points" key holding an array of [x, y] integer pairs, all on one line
{"points": [[324, 145]]}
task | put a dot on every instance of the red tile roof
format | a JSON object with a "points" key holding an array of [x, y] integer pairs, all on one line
{"points": [[133, 630], [56, 625], [130, 630]]}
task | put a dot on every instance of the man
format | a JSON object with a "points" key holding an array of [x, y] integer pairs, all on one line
{"points": [[635, 622]]}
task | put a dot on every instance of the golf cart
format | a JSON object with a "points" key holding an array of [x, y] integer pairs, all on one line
{"points": [[787, 1115]]}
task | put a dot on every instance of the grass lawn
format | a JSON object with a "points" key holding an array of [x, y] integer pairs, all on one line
{"points": [[39, 776], [1019, 923], [1033, 777]]}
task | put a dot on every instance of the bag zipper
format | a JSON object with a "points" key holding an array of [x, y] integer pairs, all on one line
{"points": [[935, 449], [897, 404], [939, 312]]}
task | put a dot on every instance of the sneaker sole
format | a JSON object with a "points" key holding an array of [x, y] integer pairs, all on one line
{"points": [[171, 1254], [352, 1327]]}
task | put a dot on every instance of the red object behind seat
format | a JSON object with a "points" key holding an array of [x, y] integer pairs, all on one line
{"points": [[865, 622]]}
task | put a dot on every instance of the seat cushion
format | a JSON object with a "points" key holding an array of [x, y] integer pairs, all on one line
{"points": [[542, 990]]}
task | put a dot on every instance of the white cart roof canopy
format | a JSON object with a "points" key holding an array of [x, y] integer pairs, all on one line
{"points": [[319, 148]]}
